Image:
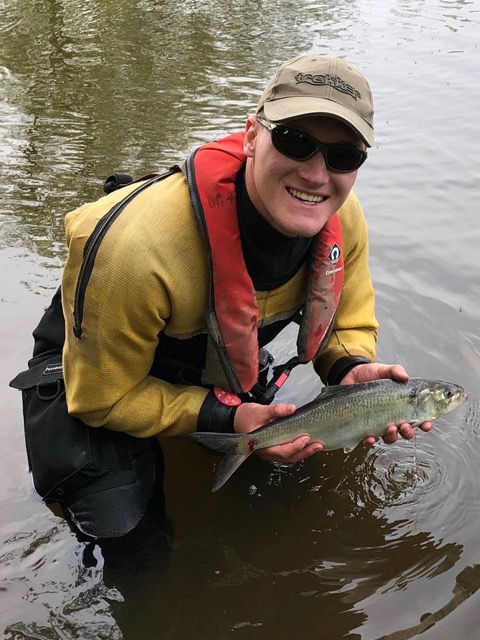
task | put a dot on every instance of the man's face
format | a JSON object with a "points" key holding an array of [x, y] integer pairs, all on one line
{"points": [[297, 197]]}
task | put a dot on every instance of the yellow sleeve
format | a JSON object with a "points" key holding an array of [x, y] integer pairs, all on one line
{"points": [[128, 302], [355, 325]]}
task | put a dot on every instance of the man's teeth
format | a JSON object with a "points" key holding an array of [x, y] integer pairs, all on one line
{"points": [[306, 197]]}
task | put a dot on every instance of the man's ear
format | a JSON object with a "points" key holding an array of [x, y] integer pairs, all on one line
{"points": [[250, 137]]}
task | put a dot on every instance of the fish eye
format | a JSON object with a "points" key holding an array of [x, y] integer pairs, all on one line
{"points": [[448, 393]]}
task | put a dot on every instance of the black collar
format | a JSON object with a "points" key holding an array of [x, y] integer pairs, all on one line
{"points": [[272, 258]]}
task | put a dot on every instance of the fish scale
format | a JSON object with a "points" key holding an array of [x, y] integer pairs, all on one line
{"points": [[333, 417], [341, 417]]}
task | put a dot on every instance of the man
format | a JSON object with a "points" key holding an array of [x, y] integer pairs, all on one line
{"points": [[174, 285]]}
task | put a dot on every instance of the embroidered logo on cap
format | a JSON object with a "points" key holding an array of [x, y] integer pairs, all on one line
{"points": [[331, 81]]}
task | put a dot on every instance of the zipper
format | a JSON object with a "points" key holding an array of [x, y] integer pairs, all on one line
{"points": [[197, 207], [92, 246]]}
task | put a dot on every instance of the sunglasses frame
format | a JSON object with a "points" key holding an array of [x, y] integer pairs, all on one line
{"points": [[319, 146]]}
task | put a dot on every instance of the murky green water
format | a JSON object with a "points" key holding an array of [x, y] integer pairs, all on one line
{"points": [[366, 546]]}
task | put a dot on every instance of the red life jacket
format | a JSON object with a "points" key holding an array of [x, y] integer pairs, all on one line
{"points": [[233, 315]]}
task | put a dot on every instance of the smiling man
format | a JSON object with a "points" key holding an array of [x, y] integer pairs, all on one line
{"points": [[175, 284]]}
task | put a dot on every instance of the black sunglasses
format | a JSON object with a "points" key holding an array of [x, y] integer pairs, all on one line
{"points": [[300, 146]]}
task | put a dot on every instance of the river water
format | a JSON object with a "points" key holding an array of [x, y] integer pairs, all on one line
{"points": [[370, 546]]}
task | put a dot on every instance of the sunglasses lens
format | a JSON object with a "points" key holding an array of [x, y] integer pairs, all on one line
{"points": [[298, 146], [293, 143], [344, 159]]}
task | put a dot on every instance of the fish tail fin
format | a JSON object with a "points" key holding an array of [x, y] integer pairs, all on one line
{"points": [[235, 446], [227, 467]]}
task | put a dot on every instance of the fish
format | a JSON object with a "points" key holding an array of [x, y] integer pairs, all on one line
{"points": [[340, 417]]}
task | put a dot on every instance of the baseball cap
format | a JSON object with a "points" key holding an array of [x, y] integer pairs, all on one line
{"points": [[319, 85]]}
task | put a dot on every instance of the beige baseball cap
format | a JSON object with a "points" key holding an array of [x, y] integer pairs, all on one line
{"points": [[319, 85]]}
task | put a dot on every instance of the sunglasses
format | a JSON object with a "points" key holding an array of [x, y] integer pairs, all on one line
{"points": [[298, 145]]}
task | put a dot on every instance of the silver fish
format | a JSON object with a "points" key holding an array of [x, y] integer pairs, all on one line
{"points": [[340, 417]]}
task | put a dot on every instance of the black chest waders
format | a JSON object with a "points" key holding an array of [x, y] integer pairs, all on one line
{"points": [[103, 480]]}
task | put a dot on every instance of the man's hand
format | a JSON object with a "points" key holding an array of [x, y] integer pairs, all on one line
{"points": [[250, 416], [377, 371]]}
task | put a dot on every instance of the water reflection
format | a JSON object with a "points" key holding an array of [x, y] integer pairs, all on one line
{"points": [[341, 555], [83, 111]]}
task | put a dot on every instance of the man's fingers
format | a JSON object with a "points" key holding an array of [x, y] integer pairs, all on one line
{"points": [[282, 410], [368, 442], [295, 451], [283, 452], [397, 372], [406, 431], [425, 426]]}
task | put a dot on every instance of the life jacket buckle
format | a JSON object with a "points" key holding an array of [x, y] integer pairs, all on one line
{"points": [[266, 394]]}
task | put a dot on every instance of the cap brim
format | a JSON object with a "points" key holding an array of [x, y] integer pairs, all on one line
{"points": [[285, 109]]}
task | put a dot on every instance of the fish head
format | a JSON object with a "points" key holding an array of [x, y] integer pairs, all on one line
{"points": [[437, 397]]}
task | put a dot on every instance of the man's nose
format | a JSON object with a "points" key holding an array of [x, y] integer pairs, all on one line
{"points": [[314, 169]]}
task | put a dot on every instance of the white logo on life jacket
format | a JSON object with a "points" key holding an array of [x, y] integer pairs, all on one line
{"points": [[334, 255], [330, 271]]}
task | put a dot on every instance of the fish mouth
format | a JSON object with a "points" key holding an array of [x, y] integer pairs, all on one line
{"points": [[309, 198]]}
